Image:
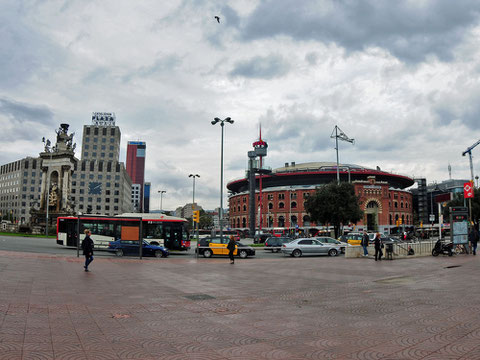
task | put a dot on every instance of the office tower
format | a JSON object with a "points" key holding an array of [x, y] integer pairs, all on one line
{"points": [[136, 169]]}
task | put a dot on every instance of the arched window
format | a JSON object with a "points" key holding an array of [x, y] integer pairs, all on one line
{"points": [[270, 206], [281, 205], [391, 219], [244, 222], [294, 204], [238, 222], [281, 221], [293, 220], [244, 207], [238, 208], [372, 205], [270, 221]]}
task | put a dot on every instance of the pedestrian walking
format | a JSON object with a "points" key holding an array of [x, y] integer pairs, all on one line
{"points": [[365, 240], [473, 238], [231, 248], [378, 247], [87, 246]]}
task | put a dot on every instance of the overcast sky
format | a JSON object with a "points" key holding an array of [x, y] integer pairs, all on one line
{"points": [[401, 77]]}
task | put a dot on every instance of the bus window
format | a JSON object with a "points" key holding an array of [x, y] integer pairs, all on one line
{"points": [[153, 230]]}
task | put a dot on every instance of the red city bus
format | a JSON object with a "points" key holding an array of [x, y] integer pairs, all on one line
{"points": [[158, 229]]}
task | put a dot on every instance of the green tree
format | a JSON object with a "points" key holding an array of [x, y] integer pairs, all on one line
{"points": [[206, 220], [334, 204]]}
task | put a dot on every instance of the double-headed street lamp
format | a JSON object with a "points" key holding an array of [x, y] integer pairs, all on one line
{"points": [[220, 214], [161, 198]]}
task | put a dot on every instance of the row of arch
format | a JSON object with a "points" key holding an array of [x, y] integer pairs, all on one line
{"points": [[281, 205], [281, 221]]}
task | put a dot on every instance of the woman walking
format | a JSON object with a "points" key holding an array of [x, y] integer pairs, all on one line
{"points": [[231, 248], [378, 247]]}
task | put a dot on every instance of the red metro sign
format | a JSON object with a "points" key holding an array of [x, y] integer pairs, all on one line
{"points": [[467, 190]]}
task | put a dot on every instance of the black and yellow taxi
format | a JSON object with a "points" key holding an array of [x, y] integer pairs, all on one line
{"points": [[218, 246]]}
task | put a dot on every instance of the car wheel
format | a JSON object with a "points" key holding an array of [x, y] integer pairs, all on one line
{"points": [[243, 254], [207, 253], [275, 250], [119, 252], [332, 252], [158, 253], [296, 253]]}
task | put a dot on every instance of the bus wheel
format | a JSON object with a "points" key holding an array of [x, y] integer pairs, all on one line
{"points": [[243, 254], [119, 252], [158, 253], [207, 253]]}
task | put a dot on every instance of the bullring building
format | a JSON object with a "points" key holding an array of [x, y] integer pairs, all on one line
{"points": [[384, 198]]}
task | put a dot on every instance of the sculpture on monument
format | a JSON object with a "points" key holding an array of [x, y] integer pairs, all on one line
{"points": [[58, 162]]}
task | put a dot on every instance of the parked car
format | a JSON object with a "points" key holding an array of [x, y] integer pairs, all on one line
{"points": [[310, 246], [218, 246], [274, 244], [260, 238], [329, 240], [130, 247]]}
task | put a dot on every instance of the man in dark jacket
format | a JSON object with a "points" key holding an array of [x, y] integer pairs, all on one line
{"points": [[378, 247], [231, 248], [87, 246], [473, 238], [365, 240]]}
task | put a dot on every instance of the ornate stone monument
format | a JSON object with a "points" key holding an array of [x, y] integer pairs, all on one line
{"points": [[58, 163]]}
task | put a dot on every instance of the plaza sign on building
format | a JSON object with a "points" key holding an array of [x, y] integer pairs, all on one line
{"points": [[467, 190]]}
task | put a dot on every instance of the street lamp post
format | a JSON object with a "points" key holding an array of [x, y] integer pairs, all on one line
{"points": [[161, 198], [193, 201], [220, 213]]}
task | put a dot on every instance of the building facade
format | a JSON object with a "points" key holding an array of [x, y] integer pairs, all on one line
{"points": [[99, 181], [136, 151], [382, 197]]}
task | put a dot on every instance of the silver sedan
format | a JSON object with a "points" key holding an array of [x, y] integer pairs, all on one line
{"points": [[310, 246]]}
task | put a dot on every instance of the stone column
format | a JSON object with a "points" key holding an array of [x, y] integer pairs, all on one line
{"points": [[44, 188], [65, 187]]}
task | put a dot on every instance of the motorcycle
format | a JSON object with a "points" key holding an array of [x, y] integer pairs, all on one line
{"points": [[441, 248]]}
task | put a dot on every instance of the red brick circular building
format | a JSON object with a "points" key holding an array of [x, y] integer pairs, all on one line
{"points": [[382, 195]]}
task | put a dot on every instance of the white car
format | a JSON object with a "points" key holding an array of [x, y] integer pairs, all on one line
{"points": [[310, 246]]}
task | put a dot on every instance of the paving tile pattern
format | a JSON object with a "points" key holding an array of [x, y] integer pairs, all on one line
{"points": [[207, 309]]}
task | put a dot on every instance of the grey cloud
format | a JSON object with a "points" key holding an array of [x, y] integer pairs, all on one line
{"points": [[311, 58], [166, 63], [295, 129], [23, 50], [409, 30], [30, 119], [267, 67]]}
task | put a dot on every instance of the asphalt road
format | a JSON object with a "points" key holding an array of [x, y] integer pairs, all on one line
{"points": [[49, 246]]}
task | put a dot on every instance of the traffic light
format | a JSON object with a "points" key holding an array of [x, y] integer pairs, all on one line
{"points": [[400, 221], [196, 216]]}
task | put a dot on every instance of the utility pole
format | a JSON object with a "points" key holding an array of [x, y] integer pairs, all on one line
{"points": [[339, 134]]}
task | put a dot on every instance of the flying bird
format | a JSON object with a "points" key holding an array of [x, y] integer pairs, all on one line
{"points": [[218, 19]]}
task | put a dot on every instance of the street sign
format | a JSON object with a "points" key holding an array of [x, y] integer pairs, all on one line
{"points": [[467, 190], [432, 218]]}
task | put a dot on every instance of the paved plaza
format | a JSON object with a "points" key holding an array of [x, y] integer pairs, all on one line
{"points": [[206, 309]]}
